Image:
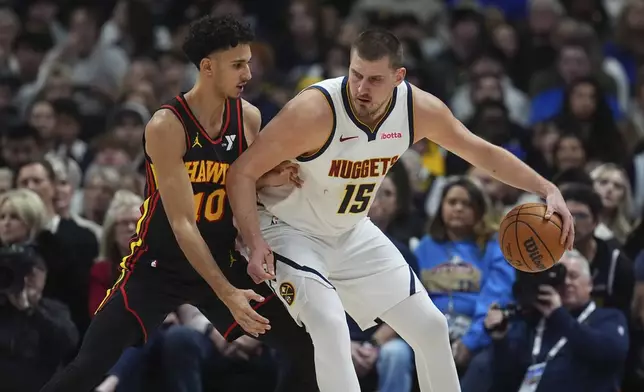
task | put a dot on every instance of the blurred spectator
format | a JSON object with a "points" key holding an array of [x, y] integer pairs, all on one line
{"points": [[612, 272], [489, 81], [119, 224], [36, 332], [627, 46], [612, 185], [462, 267], [68, 130], [69, 269], [548, 87], [502, 197], [101, 182], [42, 116], [132, 28], [466, 37], [99, 66], [22, 217], [491, 122], [392, 209], [20, 144], [569, 152], [586, 111], [571, 345]]}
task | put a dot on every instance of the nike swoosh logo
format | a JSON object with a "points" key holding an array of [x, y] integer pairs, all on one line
{"points": [[344, 139]]}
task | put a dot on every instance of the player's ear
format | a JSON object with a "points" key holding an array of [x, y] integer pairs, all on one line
{"points": [[400, 75], [206, 66]]}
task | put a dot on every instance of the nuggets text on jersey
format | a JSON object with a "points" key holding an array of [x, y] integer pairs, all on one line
{"points": [[374, 167]]}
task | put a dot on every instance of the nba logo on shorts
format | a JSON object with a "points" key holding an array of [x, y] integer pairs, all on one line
{"points": [[287, 291], [274, 221]]}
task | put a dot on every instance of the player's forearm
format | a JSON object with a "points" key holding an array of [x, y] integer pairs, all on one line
{"points": [[509, 169], [242, 194], [198, 254]]}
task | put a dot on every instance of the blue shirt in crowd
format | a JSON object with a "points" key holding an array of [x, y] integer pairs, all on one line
{"points": [[476, 278]]}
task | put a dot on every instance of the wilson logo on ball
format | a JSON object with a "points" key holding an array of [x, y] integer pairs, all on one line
{"points": [[533, 252]]}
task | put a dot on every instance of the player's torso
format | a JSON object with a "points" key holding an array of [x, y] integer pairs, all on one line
{"points": [[341, 179], [207, 161]]}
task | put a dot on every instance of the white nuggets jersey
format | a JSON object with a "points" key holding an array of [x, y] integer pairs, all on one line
{"points": [[342, 177]]}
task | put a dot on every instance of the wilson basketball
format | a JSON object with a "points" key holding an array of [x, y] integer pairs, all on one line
{"points": [[529, 242]]}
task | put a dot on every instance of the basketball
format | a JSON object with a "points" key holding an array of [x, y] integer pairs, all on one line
{"points": [[529, 242]]}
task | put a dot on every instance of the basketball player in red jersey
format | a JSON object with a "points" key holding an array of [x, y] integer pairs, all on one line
{"points": [[184, 248]]}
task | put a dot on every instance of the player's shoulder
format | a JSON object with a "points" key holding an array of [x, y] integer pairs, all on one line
{"points": [[252, 120], [165, 131], [164, 120], [426, 104], [250, 110]]}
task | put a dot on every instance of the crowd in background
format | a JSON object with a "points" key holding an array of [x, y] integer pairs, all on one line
{"points": [[559, 83]]}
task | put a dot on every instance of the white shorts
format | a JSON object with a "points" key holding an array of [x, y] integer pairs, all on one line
{"points": [[363, 266]]}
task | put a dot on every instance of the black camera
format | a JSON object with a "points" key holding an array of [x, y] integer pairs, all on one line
{"points": [[16, 262], [526, 286], [526, 293]]}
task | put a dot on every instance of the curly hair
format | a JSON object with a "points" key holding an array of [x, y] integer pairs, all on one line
{"points": [[211, 34]]}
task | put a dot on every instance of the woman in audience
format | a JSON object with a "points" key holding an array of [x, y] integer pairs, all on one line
{"points": [[22, 217], [569, 152], [611, 183], [462, 266], [101, 182], [586, 110], [396, 215], [118, 227]]}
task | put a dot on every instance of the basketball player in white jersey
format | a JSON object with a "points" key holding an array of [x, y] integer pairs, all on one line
{"points": [[346, 133]]}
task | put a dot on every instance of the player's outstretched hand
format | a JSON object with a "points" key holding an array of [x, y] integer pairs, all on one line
{"points": [[261, 263], [285, 173], [247, 318], [556, 203]]}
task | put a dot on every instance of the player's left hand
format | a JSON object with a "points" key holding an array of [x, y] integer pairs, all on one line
{"points": [[556, 203], [285, 173], [261, 263], [548, 300]]}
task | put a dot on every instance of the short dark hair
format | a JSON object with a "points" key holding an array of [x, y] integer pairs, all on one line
{"points": [[211, 34], [584, 194], [51, 173], [375, 44], [22, 131], [572, 176]]}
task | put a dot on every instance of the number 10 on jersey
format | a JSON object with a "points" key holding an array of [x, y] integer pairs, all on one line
{"points": [[356, 198]]}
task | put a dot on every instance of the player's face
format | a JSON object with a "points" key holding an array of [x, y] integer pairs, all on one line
{"points": [[229, 70], [371, 84]]}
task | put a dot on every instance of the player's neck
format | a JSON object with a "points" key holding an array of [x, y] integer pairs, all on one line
{"points": [[208, 107]]}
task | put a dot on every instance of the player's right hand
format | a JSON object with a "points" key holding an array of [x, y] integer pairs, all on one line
{"points": [[247, 318], [261, 263]]}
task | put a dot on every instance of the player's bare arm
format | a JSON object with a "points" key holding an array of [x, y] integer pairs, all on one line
{"points": [[437, 123], [166, 145], [286, 172], [302, 126]]}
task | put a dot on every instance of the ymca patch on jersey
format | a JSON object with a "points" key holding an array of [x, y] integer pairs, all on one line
{"points": [[287, 291]]}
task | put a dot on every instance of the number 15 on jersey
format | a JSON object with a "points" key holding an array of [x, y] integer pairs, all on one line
{"points": [[356, 198]]}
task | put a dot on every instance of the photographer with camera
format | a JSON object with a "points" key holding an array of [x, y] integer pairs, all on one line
{"points": [[563, 343], [36, 333]]}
